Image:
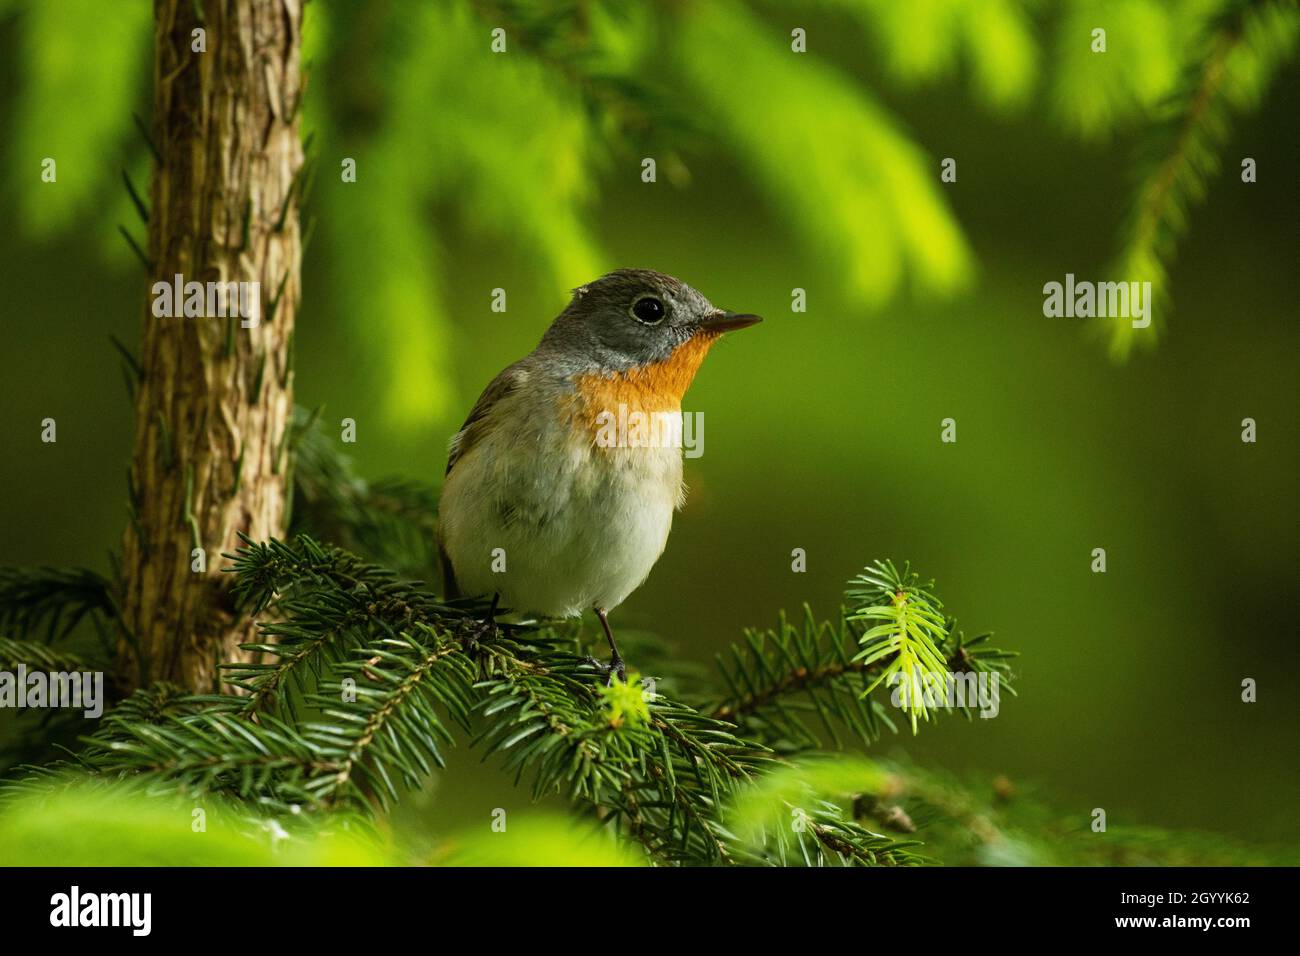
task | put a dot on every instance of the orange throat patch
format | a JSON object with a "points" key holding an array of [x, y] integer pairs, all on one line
{"points": [[657, 387]]}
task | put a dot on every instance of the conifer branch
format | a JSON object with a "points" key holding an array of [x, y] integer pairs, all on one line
{"points": [[781, 672], [52, 600], [37, 656], [390, 669], [831, 670], [1241, 50]]}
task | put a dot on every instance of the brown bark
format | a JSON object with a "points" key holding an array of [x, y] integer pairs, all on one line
{"points": [[214, 403]]}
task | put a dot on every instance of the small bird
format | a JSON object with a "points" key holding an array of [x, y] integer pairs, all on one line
{"points": [[537, 509]]}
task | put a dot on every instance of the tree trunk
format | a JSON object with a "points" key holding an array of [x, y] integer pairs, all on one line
{"points": [[214, 402]]}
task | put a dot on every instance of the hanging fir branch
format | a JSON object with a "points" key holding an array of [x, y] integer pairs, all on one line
{"points": [[1240, 51]]}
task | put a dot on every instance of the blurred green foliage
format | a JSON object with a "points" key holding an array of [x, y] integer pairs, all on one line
{"points": [[95, 825], [1154, 41], [821, 429], [543, 840], [926, 41], [862, 195], [1234, 60], [90, 824], [521, 144], [83, 66]]}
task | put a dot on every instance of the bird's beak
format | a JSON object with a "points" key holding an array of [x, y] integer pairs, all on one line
{"points": [[728, 321]]}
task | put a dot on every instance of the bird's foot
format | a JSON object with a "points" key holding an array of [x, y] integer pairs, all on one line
{"points": [[614, 669], [475, 631]]}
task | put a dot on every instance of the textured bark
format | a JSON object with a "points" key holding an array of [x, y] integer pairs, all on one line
{"points": [[214, 403]]}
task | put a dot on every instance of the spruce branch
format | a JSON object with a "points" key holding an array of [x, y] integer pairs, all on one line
{"points": [[781, 678], [22, 745], [267, 571], [148, 705], [908, 642], [1241, 49], [329, 603], [37, 656], [388, 673], [659, 779], [52, 600], [384, 722], [664, 776]]}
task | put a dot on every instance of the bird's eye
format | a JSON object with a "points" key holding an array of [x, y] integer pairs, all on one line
{"points": [[648, 310]]}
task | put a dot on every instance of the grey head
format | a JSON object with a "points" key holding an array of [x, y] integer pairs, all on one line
{"points": [[631, 318]]}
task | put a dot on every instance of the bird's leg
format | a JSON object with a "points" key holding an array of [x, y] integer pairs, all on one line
{"points": [[616, 666]]}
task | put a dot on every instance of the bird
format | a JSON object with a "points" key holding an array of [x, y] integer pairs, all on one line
{"points": [[539, 509]]}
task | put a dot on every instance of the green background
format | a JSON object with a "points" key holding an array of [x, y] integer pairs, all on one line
{"points": [[822, 429]]}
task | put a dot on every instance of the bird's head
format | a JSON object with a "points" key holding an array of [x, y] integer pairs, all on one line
{"points": [[638, 319]]}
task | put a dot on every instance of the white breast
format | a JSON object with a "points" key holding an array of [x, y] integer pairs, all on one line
{"points": [[534, 512]]}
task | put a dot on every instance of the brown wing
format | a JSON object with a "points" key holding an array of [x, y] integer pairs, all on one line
{"points": [[475, 427]]}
